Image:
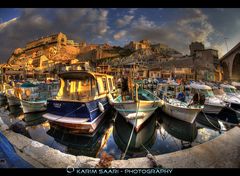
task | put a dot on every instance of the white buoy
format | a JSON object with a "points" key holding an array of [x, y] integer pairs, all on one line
{"points": [[100, 106]]}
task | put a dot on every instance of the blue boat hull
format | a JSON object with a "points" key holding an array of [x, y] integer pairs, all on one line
{"points": [[79, 117]]}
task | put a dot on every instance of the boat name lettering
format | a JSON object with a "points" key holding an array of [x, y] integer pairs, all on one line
{"points": [[57, 105]]}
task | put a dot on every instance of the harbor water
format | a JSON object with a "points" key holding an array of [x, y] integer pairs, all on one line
{"points": [[160, 134]]}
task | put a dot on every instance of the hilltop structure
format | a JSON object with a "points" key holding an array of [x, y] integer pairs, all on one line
{"points": [[48, 55]]}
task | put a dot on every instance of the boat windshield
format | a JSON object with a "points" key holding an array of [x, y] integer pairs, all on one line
{"points": [[77, 89], [229, 90], [207, 92]]}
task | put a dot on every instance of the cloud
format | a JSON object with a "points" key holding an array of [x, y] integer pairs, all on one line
{"points": [[79, 24], [132, 10], [124, 21], [193, 26], [120, 35], [7, 23]]}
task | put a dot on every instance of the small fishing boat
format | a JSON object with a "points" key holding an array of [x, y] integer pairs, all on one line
{"points": [[172, 106], [82, 101], [212, 104], [34, 96], [12, 95], [138, 108]]}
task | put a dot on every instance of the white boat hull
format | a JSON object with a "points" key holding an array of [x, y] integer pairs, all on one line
{"points": [[29, 106], [185, 114], [13, 101], [129, 111]]}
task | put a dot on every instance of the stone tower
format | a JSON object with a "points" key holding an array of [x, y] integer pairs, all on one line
{"points": [[194, 46]]}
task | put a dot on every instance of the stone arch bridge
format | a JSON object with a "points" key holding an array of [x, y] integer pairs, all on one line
{"points": [[231, 64]]}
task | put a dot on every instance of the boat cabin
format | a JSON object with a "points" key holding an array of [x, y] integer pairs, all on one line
{"points": [[84, 86], [170, 90], [228, 89], [201, 88]]}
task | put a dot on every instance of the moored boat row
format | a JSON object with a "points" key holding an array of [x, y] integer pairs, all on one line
{"points": [[83, 98]]}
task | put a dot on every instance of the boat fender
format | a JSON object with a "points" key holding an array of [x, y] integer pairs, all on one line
{"points": [[100, 106], [110, 99], [28, 92]]}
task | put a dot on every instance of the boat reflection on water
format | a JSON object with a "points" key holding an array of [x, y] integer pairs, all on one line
{"points": [[88, 145], [181, 130], [15, 111], [35, 118], [140, 141]]}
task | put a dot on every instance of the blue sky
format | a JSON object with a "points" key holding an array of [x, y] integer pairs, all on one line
{"points": [[175, 27]]}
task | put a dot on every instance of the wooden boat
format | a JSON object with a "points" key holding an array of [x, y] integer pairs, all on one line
{"points": [[212, 104], [175, 108], [82, 101], [12, 98], [137, 111], [34, 96]]}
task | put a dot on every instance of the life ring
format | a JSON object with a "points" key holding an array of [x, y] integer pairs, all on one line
{"points": [[100, 106], [27, 92]]}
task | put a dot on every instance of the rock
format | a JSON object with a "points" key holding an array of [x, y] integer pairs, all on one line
{"points": [[20, 127]]}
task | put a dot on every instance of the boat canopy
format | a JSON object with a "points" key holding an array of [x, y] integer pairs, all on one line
{"points": [[200, 86], [227, 86], [77, 75], [27, 85], [236, 83]]}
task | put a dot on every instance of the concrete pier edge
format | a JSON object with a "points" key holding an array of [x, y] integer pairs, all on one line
{"points": [[221, 152]]}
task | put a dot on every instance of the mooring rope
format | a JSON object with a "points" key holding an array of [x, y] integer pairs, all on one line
{"points": [[71, 112], [130, 138], [212, 123]]}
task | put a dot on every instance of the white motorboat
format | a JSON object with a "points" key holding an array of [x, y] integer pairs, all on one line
{"points": [[212, 103], [174, 107], [232, 100], [180, 110], [230, 90]]}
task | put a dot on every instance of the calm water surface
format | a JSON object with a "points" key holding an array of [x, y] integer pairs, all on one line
{"points": [[160, 134]]}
